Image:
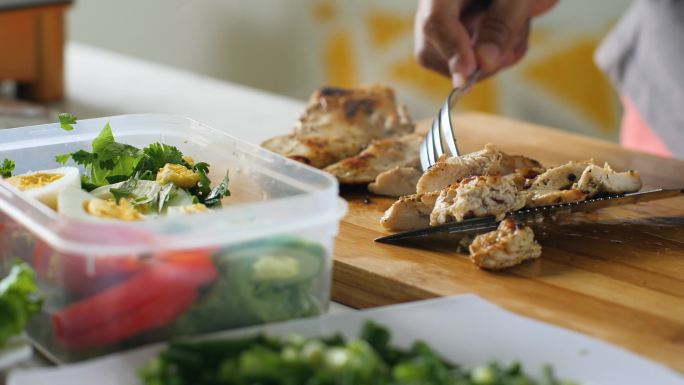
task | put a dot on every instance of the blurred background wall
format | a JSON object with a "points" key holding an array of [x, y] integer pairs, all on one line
{"points": [[292, 47]]}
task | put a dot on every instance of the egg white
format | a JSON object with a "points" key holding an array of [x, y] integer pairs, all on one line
{"points": [[71, 203], [71, 178]]}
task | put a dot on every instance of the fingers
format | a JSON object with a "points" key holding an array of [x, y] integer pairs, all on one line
{"points": [[519, 47], [442, 41], [429, 58], [500, 32]]}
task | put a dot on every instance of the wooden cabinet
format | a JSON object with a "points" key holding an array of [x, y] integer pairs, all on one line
{"points": [[32, 47]]}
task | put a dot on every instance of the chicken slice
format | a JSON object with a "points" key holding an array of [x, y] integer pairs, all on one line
{"points": [[489, 161], [596, 180], [561, 177], [339, 123], [554, 197], [478, 196], [509, 245], [410, 212], [396, 182], [380, 156]]}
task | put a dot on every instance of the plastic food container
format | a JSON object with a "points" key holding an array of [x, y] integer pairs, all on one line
{"points": [[265, 256]]}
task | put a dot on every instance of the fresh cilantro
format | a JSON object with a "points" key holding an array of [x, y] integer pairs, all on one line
{"points": [[19, 300], [83, 158], [7, 168], [155, 156], [111, 162], [203, 188], [220, 191], [66, 120], [86, 185], [63, 159]]}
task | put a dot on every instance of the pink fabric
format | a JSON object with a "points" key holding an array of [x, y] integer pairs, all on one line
{"points": [[637, 135]]}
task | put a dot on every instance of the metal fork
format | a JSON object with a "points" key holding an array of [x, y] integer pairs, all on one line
{"points": [[432, 147]]}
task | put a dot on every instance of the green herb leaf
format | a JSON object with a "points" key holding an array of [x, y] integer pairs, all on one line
{"points": [[62, 159], [110, 161], [7, 168], [164, 196], [18, 300], [220, 191], [203, 188], [66, 120], [125, 190], [105, 138], [156, 156], [84, 158]]}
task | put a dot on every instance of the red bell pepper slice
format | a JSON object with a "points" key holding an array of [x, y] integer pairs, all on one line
{"points": [[161, 311], [81, 274], [167, 285]]}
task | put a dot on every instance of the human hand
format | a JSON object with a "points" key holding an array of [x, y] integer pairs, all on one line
{"points": [[454, 37]]}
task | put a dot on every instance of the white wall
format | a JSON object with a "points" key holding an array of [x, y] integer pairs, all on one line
{"points": [[251, 42]]}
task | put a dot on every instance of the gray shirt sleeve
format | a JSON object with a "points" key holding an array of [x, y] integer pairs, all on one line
{"points": [[644, 58]]}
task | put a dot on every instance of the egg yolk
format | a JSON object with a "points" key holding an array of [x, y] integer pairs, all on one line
{"points": [[28, 182], [109, 209], [177, 174], [193, 209]]}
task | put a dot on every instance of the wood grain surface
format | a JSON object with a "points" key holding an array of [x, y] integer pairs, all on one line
{"points": [[617, 274]]}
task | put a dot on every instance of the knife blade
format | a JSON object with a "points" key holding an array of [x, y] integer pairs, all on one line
{"points": [[526, 215]]}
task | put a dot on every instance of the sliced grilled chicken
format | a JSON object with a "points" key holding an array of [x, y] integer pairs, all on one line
{"points": [[410, 212], [489, 161], [509, 245], [596, 180], [559, 178], [478, 196], [380, 156], [339, 123], [317, 151], [396, 182], [554, 197]]}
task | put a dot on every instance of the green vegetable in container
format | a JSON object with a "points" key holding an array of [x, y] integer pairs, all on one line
{"points": [[262, 281], [19, 300], [368, 360], [111, 163]]}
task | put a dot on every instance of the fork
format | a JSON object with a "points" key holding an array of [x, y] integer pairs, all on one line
{"points": [[432, 147]]}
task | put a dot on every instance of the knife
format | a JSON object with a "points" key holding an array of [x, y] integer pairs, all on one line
{"points": [[526, 215]]}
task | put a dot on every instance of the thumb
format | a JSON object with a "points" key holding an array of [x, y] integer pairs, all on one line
{"points": [[497, 32]]}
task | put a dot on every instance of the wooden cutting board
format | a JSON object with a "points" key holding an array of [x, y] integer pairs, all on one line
{"points": [[617, 275]]}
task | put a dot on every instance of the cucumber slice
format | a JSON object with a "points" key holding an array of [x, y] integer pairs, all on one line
{"points": [[274, 278], [279, 261]]}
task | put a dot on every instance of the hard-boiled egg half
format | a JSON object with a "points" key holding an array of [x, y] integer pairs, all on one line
{"points": [[45, 185], [77, 204]]}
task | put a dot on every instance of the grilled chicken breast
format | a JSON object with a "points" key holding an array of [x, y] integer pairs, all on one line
{"points": [[559, 178], [410, 212], [596, 180], [339, 123], [489, 161], [551, 197], [396, 182], [478, 196], [380, 156], [509, 245]]}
